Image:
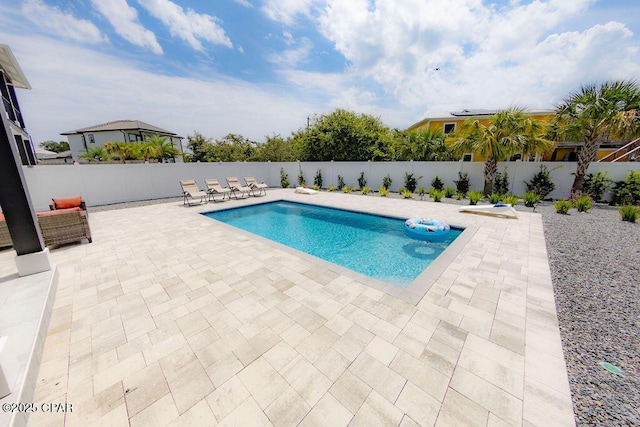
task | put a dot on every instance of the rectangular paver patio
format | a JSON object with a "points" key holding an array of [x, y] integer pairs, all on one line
{"points": [[170, 318]]}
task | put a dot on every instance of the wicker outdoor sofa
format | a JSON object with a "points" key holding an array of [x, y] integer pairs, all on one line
{"points": [[5, 237], [66, 222]]}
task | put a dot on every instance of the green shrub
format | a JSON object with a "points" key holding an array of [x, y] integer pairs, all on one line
{"points": [[315, 187], [383, 191], [562, 206], [331, 188], [284, 179], [530, 199], [501, 182], [348, 189], [386, 182], [541, 183], [511, 199], [437, 183], [627, 192], [449, 192], [365, 190], [459, 196], [340, 182], [462, 184], [410, 183], [629, 213], [317, 180], [436, 195], [495, 197], [301, 180], [361, 181], [583, 203], [474, 197], [421, 192], [406, 194], [595, 185]]}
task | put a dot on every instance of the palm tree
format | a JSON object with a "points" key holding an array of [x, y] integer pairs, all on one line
{"points": [[120, 149], [95, 153], [161, 147], [594, 113], [508, 132]]}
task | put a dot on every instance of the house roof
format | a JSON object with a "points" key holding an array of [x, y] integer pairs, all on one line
{"points": [[468, 113], [122, 125], [12, 69]]}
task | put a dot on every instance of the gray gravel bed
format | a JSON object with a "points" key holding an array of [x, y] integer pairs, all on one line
{"points": [[595, 266]]}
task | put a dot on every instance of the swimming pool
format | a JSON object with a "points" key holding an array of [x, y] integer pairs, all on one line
{"points": [[368, 244]]}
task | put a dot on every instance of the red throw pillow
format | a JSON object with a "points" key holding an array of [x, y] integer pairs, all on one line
{"points": [[67, 202], [1, 216]]}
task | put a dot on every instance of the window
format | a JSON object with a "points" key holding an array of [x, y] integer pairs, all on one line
{"points": [[449, 128], [467, 157], [132, 137], [91, 139]]}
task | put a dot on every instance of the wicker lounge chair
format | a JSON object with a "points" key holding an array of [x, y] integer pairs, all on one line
{"points": [[255, 185], [214, 189], [191, 191], [236, 187]]}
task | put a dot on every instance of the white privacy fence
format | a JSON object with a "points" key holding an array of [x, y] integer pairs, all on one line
{"points": [[113, 183]]}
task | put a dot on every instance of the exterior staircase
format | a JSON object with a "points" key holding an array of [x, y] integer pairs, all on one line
{"points": [[630, 152]]}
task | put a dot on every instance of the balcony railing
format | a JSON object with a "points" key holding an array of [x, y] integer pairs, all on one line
{"points": [[13, 113]]}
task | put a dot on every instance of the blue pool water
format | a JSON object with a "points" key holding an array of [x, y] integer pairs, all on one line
{"points": [[369, 244]]}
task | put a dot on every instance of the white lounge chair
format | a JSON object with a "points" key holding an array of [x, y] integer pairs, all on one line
{"points": [[214, 188], [191, 191], [236, 187], [255, 185], [500, 210]]}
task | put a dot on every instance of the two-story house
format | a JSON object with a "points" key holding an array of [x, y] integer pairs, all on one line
{"points": [[81, 140]]}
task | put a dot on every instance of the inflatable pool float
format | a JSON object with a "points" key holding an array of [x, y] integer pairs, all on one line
{"points": [[499, 210], [426, 228]]}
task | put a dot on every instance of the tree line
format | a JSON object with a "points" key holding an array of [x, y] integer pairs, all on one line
{"points": [[590, 115], [340, 135]]}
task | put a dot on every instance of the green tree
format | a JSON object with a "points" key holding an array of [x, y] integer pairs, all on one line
{"points": [[161, 148], [276, 149], [595, 113], [120, 149], [97, 154], [426, 145], [56, 147], [507, 133], [344, 135], [199, 146]]}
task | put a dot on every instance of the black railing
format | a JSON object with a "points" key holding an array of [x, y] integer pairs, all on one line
{"points": [[12, 112]]}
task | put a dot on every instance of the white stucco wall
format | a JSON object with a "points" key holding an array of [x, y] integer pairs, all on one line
{"points": [[112, 183]]}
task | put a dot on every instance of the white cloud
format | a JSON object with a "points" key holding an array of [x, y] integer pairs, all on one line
{"points": [[92, 87], [286, 11], [60, 23], [488, 57], [244, 3], [294, 56], [190, 26], [124, 20]]}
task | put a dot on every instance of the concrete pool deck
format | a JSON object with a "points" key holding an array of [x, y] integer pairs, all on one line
{"points": [[170, 318]]}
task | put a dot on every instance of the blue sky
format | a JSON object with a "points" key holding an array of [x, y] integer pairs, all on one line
{"points": [[261, 67]]}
